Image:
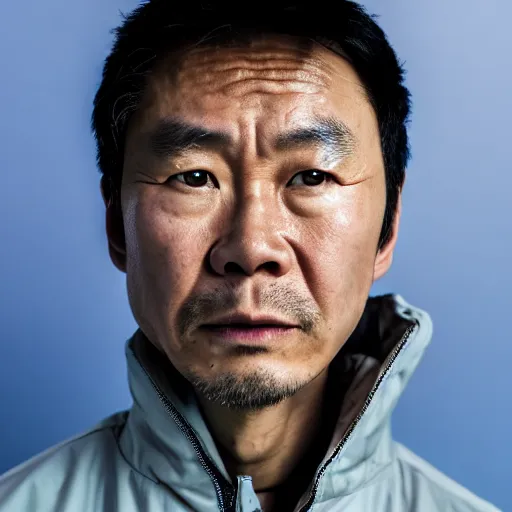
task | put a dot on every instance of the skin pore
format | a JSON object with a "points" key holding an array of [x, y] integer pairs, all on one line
{"points": [[254, 183]]}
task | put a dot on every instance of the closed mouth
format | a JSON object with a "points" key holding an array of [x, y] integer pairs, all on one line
{"points": [[247, 326]]}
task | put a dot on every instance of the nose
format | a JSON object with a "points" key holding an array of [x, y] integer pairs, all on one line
{"points": [[254, 241]]}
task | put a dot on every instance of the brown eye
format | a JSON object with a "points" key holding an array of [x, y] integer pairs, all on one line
{"points": [[310, 178], [194, 179]]}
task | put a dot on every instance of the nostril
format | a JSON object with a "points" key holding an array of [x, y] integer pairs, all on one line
{"points": [[233, 268], [271, 266]]}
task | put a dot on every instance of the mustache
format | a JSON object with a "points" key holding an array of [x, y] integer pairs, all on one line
{"points": [[282, 300]]}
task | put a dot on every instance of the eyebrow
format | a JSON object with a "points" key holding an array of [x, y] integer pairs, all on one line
{"points": [[173, 137], [332, 136]]}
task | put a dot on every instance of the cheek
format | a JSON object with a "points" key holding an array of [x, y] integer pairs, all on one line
{"points": [[341, 250], [164, 258]]}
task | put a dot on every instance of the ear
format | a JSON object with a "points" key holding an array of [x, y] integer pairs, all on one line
{"points": [[384, 257], [114, 227]]}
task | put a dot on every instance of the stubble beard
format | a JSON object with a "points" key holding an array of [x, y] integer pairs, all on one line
{"points": [[250, 392]]}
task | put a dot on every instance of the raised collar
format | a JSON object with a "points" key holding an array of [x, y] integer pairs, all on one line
{"points": [[381, 356]]}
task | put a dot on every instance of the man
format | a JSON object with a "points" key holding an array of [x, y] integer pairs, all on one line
{"points": [[253, 160]]}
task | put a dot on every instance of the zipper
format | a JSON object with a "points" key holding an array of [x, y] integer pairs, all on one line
{"points": [[223, 489], [369, 398]]}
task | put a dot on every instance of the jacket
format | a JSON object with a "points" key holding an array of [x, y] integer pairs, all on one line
{"points": [[159, 456]]}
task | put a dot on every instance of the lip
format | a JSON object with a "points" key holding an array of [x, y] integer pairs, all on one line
{"points": [[248, 321], [239, 328], [257, 334]]}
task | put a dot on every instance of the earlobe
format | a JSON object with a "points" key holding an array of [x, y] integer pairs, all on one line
{"points": [[384, 257], [114, 229]]}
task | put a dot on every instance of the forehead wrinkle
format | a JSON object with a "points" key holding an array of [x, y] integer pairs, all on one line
{"points": [[335, 140], [235, 71], [251, 66], [254, 55], [239, 81]]}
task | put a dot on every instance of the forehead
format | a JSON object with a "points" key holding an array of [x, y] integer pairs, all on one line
{"points": [[278, 79]]}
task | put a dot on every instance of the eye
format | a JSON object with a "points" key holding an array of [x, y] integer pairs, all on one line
{"points": [[311, 178], [195, 179]]}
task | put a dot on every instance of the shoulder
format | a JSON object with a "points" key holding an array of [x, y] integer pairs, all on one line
{"points": [[423, 484], [40, 483]]}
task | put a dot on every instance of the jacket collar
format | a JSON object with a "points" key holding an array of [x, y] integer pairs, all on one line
{"points": [[381, 356], [166, 438]]}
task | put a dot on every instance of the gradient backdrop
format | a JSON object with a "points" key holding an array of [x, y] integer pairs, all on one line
{"points": [[64, 311]]}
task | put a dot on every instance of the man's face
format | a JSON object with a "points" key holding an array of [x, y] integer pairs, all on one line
{"points": [[254, 185]]}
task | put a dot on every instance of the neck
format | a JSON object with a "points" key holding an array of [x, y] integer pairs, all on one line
{"points": [[277, 445]]}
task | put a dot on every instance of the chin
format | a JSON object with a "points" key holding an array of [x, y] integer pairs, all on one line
{"points": [[247, 386]]}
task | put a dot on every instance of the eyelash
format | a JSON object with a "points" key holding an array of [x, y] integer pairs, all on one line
{"points": [[327, 177]]}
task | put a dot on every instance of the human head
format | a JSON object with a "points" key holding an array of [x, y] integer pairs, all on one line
{"points": [[150, 76]]}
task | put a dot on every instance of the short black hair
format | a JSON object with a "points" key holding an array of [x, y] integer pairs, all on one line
{"points": [[156, 27]]}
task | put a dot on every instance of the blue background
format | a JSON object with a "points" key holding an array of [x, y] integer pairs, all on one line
{"points": [[64, 311]]}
